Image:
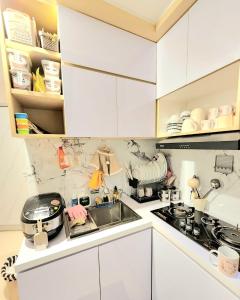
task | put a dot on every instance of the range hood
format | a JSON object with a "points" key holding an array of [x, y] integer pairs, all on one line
{"points": [[214, 141]]}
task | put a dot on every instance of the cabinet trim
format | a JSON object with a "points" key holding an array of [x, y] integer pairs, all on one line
{"points": [[64, 63]]}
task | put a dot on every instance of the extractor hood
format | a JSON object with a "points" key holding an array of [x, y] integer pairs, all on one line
{"points": [[216, 141]]}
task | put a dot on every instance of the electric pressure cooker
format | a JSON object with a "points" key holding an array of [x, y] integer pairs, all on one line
{"points": [[46, 207]]}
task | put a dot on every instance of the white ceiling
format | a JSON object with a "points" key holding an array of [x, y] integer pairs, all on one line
{"points": [[149, 10]]}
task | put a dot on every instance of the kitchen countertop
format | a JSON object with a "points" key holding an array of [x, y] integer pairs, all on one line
{"points": [[60, 246]]}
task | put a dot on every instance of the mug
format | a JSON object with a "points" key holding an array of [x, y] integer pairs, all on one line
{"points": [[140, 192], [213, 113], [165, 195], [227, 260], [224, 122], [225, 110], [148, 191], [207, 124]]}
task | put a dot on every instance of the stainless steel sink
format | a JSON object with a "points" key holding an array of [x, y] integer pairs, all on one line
{"points": [[112, 215], [101, 218]]}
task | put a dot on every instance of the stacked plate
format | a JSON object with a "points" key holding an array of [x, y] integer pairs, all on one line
{"points": [[174, 124]]}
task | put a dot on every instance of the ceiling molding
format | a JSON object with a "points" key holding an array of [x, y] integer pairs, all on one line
{"points": [[120, 18], [171, 15]]}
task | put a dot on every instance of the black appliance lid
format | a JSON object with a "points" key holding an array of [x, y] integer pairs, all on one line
{"points": [[42, 207]]}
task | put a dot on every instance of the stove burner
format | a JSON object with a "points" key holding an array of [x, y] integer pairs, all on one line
{"points": [[227, 235], [180, 212]]}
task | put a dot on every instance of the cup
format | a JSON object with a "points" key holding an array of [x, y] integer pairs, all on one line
{"points": [[227, 260], [207, 124], [223, 122], [225, 110], [148, 192], [140, 192], [165, 195], [213, 113]]}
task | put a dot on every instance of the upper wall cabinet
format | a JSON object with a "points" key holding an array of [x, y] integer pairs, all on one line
{"points": [[136, 108], [213, 36], [172, 58], [90, 105], [88, 42]]}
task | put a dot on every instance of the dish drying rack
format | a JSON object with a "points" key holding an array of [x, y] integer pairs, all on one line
{"points": [[156, 186]]}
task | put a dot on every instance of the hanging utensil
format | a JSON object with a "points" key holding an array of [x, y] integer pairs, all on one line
{"points": [[215, 184]]}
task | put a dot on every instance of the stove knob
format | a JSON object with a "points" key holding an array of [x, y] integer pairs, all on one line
{"points": [[171, 205], [182, 223], [196, 231]]}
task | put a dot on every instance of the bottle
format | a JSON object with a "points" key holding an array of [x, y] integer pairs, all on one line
{"points": [[74, 200], [115, 194]]}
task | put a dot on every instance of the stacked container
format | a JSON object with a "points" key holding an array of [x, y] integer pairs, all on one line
{"points": [[52, 73], [20, 66], [22, 123]]}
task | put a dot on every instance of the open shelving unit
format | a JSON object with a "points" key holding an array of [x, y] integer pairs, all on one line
{"points": [[45, 110], [218, 88]]}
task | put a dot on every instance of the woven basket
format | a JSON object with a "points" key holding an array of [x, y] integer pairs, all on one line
{"points": [[49, 41]]}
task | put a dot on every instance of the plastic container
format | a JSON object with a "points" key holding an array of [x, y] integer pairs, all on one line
{"points": [[22, 126], [21, 116], [50, 68], [53, 85], [18, 60], [23, 131], [18, 26], [22, 122], [48, 40], [21, 79]]}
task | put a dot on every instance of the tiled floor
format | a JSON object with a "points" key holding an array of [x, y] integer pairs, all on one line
{"points": [[10, 242]]}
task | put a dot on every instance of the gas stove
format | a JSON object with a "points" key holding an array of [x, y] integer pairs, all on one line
{"points": [[204, 229]]}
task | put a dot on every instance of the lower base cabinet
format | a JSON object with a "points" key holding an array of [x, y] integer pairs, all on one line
{"points": [[75, 277], [176, 277], [125, 268], [118, 270]]}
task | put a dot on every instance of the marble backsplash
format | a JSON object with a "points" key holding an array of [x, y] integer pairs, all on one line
{"points": [[79, 152]]}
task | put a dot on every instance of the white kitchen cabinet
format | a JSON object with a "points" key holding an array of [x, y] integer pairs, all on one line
{"points": [[75, 277], [125, 268], [172, 58], [213, 36], [175, 276], [89, 103], [136, 108], [92, 43]]}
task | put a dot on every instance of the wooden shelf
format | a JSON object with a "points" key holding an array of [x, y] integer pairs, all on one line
{"points": [[168, 135], [213, 90], [30, 99], [41, 136], [36, 53]]}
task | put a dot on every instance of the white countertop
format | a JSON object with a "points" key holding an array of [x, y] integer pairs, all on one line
{"points": [[60, 246]]}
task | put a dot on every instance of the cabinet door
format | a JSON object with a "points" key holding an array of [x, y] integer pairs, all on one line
{"points": [[75, 277], [89, 102], [125, 268], [176, 276], [213, 36], [136, 108], [89, 42], [172, 58]]}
